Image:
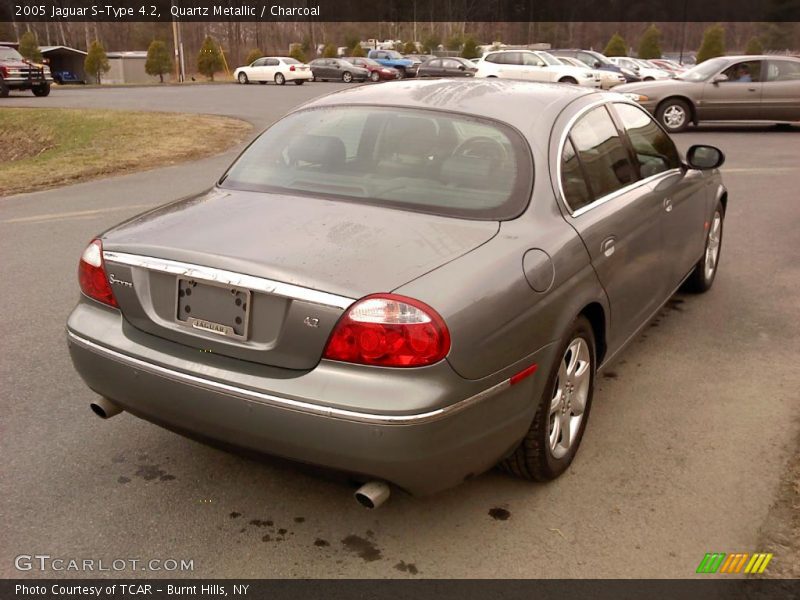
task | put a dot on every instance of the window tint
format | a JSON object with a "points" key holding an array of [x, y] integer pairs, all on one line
{"points": [[434, 64], [451, 64], [604, 157], [572, 182], [531, 60], [783, 70], [744, 72], [259, 63], [654, 149], [497, 58], [404, 158], [271, 62]]}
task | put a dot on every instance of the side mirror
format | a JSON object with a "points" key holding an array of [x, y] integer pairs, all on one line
{"points": [[461, 67], [705, 158], [718, 78], [597, 64]]}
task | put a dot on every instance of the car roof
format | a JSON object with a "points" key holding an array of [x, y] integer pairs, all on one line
{"points": [[505, 100], [759, 57]]}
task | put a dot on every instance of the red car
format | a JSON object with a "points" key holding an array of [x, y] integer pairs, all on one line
{"points": [[377, 71]]}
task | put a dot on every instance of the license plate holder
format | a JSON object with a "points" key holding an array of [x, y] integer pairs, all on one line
{"points": [[213, 308]]}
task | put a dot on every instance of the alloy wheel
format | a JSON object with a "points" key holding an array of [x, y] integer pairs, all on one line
{"points": [[570, 394], [712, 246], [674, 116]]}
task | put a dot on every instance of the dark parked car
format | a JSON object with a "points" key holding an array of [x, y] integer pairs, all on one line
{"points": [[390, 292], [377, 72], [742, 88], [595, 60], [338, 69], [67, 77], [447, 67]]}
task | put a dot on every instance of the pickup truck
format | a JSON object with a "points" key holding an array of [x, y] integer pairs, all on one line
{"points": [[391, 58], [16, 73]]}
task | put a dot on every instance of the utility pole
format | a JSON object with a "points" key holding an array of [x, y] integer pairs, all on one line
{"points": [[175, 46]]}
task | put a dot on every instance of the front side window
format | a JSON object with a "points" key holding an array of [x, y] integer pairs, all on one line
{"points": [[419, 160], [602, 154], [744, 72], [783, 70], [531, 60], [655, 151]]}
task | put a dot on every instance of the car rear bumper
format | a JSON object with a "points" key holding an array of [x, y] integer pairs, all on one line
{"points": [[430, 449], [294, 75]]}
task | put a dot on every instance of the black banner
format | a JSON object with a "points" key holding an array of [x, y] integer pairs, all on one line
{"points": [[401, 10], [338, 589]]}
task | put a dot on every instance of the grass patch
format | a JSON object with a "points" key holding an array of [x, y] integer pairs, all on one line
{"points": [[49, 147]]}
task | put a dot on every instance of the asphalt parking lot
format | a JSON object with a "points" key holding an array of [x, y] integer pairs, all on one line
{"points": [[688, 441]]}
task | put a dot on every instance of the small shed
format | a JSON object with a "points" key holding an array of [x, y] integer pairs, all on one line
{"points": [[128, 67], [63, 58]]}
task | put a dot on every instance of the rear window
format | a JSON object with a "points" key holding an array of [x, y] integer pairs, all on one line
{"points": [[425, 161]]}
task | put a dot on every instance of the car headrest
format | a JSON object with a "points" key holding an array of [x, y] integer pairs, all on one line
{"points": [[412, 135], [324, 150], [467, 171]]}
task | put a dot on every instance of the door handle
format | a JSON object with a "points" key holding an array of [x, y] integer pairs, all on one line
{"points": [[668, 204], [751, 89], [607, 247]]}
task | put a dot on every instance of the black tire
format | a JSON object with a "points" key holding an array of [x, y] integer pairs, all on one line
{"points": [[670, 107], [648, 79], [401, 73], [262, 83], [347, 77], [569, 80], [702, 279], [533, 459], [280, 79], [242, 78], [375, 77], [4, 91], [41, 90], [299, 81]]}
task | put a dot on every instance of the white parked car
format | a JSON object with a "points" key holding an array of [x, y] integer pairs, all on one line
{"points": [[279, 69], [608, 79], [640, 67], [533, 65]]}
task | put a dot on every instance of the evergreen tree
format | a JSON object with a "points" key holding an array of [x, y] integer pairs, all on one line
{"points": [[649, 45], [29, 47], [470, 49], [754, 46], [329, 51], [96, 61], [253, 56], [455, 42], [410, 48], [158, 60], [616, 46], [357, 50], [297, 53], [713, 43], [430, 43], [209, 59]]}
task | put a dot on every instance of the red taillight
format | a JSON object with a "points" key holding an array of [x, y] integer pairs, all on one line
{"points": [[291, 68], [92, 275], [390, 331]]}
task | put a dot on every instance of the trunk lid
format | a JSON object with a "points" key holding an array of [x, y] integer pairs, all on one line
{"points": [[285, 266]]}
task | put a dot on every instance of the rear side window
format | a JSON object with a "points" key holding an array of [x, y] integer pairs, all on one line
{"points": [[576, 192], [654, 150], [603, 156], [419, 160], [783, 70]]}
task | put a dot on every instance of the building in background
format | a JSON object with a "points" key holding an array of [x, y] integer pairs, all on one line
{"points": [[128, 67], [62, 61]]}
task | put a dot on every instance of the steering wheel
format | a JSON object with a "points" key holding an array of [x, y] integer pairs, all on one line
{"points": [[481, 146]]}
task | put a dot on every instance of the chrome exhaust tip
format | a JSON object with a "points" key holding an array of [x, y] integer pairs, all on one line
{"points": [[373, 494], [104, 408]]}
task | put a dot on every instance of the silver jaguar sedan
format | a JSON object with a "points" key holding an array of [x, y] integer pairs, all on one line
{"points": [[410, 283]]}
